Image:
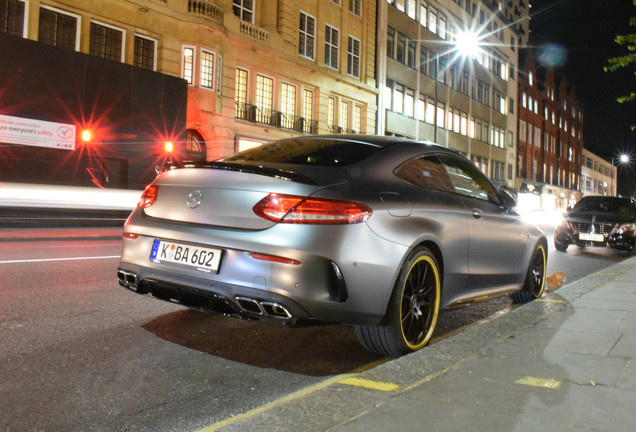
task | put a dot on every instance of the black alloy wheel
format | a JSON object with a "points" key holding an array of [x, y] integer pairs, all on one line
{"points": [[534, 285], [413, 311]]}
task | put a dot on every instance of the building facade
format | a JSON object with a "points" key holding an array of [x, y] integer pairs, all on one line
{"points": [[257, 70], [550, 138], [598, 176], [430, 91]]}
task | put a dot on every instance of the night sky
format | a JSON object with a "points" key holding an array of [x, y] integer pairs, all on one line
{"points": [[584, 32]]}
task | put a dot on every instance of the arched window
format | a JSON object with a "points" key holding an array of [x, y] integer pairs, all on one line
{"points": [[195, 145]]}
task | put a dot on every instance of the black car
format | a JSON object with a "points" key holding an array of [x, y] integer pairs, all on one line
{"points": [[599, 221]]}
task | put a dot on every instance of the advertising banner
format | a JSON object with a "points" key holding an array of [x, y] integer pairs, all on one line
{"points": [[17, 130]]}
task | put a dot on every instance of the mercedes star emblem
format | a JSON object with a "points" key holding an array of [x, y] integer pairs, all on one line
{"points": [[194, 199]]}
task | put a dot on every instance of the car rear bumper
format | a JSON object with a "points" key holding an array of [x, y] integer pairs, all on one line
{"points": [[343, 274]]}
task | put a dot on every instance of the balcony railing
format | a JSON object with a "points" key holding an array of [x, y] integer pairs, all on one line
{"points": [[254, 32], [205, 9], [265, 116]]}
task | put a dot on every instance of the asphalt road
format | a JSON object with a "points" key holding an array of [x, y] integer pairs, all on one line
{"points": [[79, 353]]}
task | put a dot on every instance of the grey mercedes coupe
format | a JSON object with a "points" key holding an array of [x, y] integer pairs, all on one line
{"points": [[375, 232]]}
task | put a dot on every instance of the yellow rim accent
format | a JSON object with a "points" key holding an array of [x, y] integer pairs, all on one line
{"points": [[545, 265], [427, 337]]}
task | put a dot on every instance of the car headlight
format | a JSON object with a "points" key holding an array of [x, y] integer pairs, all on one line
{"points": [[626, 229]]}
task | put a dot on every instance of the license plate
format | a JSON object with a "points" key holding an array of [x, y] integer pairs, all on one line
{"points": [[591, 237], [201, 258]]}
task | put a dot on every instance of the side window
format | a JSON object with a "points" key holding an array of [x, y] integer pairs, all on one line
{"points": [[426, 172], [467, 179]]}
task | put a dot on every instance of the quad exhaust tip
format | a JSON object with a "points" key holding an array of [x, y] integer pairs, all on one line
{"points": [[264, 308], [127, 279]]}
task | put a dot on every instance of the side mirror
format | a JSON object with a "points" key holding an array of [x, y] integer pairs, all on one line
{"points": [[507, 197]]}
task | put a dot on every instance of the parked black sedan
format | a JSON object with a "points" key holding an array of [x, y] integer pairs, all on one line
{"points": [[599, 221]]}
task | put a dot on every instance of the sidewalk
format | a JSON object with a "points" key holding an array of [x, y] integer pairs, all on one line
{"points": [[564, 363]]}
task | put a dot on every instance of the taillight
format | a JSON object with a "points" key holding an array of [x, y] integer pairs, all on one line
{"points": [[149, 196], [274, 258], [307, 210]]}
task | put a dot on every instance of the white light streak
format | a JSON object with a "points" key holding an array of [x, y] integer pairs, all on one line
{"points": [[42, 260]]}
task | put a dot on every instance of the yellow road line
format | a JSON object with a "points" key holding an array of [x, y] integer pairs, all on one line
{"points": [[290, 397], [550, 301], [540, 382], [373, 385]]}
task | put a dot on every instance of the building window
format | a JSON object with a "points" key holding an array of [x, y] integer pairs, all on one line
{"points": [[106, 42], [423, 60], [432, 19], [429, 116], [398, 98], [207, 70], [409, 102], [58, 28], [195, 145], [442, 27], [410, 8], [308, 110], [244, 9], [420, 108], [353, 57], [264, 98], [410, 54], [188, 65], [145, 52], [288, 105], [400, 52], [241, 94], [357, 119], [390, 43], [12, 17], [344, 115], [331, 113], [423, 12], [354, 7], [307, 36], [331, 46]]}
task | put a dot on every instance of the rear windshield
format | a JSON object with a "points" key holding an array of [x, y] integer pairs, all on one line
{"points": [[606, 205], [320, 152]]}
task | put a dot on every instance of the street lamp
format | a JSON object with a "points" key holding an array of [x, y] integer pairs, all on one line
{"points": [[623, 159], [467, 46]]}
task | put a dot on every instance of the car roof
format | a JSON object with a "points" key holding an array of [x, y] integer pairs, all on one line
{"points": [[377, 140]]}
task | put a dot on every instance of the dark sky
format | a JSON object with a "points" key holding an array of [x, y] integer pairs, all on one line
{"points": [[586, 30]]}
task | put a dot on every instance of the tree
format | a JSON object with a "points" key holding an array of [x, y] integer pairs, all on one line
{"points": [[627, 60]]}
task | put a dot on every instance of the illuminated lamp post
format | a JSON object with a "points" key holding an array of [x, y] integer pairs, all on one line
{"points": [[467, 46], [623, 159]]}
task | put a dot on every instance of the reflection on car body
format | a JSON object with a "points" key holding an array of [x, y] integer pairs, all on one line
{"points": [[599, 221], [375, 232]]}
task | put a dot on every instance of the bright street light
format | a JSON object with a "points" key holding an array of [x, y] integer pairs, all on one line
{"points": [[467, 46], [622, 159]]}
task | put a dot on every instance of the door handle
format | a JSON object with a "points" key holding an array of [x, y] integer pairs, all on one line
{"points": [[478, 214]]}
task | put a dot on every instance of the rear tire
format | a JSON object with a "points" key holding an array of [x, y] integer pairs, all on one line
{"points": [[534, 284], [413, 310]]}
